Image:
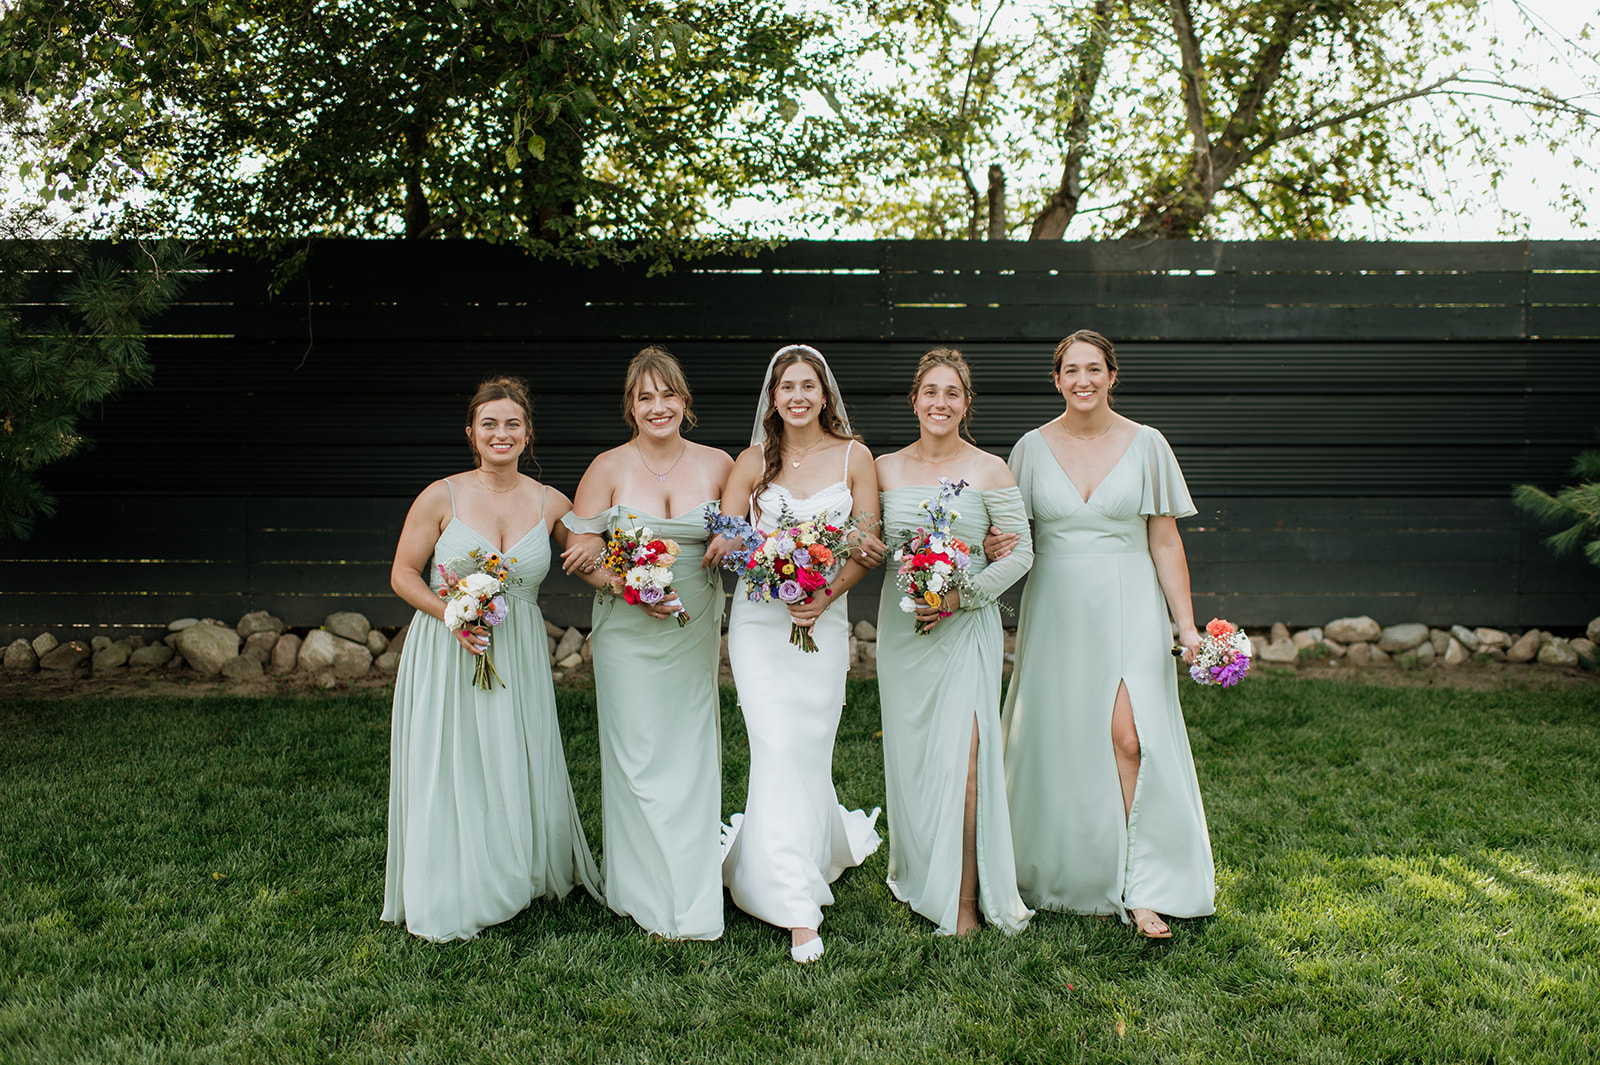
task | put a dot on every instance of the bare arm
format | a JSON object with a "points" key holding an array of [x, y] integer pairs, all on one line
{"points": [[593, 497], [425, 521], [735, 502], [1172, 569], [864, 508]]}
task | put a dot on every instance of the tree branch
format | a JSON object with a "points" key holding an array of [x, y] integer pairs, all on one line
{"points": [[1193, 75], [1059, 211]]}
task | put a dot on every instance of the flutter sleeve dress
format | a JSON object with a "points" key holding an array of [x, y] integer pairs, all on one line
{"points": [[1093, 616], [482, 819], [932, 688], [661, 739]]}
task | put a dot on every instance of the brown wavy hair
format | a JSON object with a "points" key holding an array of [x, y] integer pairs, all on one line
{"points": [[772, 424], [956, 361], [1107, 349], [658, 361], [490, 389]]}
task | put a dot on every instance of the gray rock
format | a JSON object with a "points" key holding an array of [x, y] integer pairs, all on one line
{"points": [[181, 624], [66, 657], [171, 640], [44, 643], [388, 662], [207, 647], [1359, 653], [243, 667], [1380, 657], [133, 643], [377, 642], [1282, 650], [1402, 637], [866, 630], [20, 657], [218, 622], [1492, 637], [1465, 637], [568, 645], [1497, 654], [1353, 630], [1557, 652], [553, 630], [99, 643], [259, 645], [867, 652], [1307, 638], [572, 661], [1334, 647], [259, 621], [325, 680], [1258, 644], [176, 662], [316, 653], [1592, 633], [1438, 639], [1583, 647], [285, 653], [1526, 648], [151, 657], [351, 659], [110, 658], [1455, 653], [1424, 652], [349, 625], [550, 647], [1279, 633], [398, 644], [587, 650]]}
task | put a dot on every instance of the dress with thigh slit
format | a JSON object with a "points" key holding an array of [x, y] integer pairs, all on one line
{"points": [[1093, 616]]}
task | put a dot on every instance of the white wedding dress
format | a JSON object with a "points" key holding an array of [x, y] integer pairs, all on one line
{"points": [[793, 839]]}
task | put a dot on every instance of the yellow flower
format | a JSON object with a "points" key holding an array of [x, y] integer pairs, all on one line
{"points": [[932, 599]]}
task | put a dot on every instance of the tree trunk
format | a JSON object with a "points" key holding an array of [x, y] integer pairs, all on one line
{"points": [[1051, 223], [418, 215], [997, 203]]}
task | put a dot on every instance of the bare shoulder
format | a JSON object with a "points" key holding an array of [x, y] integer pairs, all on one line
{"points": [[711, 456], [991, 471], [752, 459], [860, 455], [556, 504]]}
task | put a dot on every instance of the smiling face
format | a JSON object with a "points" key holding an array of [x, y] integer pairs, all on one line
{"points": [[940, 401], [1083, 378], [799, 395], [498, 433], [657, 408]]}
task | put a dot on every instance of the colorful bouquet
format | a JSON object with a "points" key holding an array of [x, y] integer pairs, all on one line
{"points": [[640, 567], [1224, 656], [472, 598], [789, 564], [933, 563]]}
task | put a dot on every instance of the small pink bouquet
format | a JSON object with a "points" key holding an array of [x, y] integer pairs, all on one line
{"points": [[790, 564], [1224, 656], [933, 563], [473, 598], [639, 565]]}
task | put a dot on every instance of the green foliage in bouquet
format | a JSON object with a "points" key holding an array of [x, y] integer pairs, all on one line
{"points": [[1576, 506], [51, 373]]}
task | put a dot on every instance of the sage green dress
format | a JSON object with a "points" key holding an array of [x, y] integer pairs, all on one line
{"points": [[481, 814], [932, 688], [1093, 616], [661, 739]]}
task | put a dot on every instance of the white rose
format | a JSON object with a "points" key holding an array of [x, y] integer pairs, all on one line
{"points": [[1241, 644], [941, 567], [459, 613], [936, 582], [908, 605], [935, 543], [480, 585], [661, 576]]}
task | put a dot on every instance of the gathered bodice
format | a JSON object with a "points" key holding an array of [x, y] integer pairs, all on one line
{"points": [[903, 515], [688, 529], [834, 500], [532, 555]]}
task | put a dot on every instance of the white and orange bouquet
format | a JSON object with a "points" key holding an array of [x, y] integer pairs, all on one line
{"points": [[1224, 655], [639, 566], [791, 564], [473, 598], [933, 563]]}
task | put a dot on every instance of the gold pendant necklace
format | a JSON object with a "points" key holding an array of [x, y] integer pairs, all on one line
{"points": [[661, 477]]}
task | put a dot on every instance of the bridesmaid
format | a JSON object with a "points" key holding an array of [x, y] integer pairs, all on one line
{"points": [[481, 814], [656, 683], [1105, 806], [941, 691]]}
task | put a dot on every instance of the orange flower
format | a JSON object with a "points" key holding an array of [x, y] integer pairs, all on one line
{"points": [[1219, 628], [820, 555]]}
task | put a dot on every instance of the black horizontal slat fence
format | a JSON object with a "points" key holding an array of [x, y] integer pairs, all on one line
{"points": [[1350, 416]]}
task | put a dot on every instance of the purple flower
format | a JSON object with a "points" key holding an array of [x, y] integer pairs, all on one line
{"points": [[1230, 674], [960, 560], [1200, 674], [791, 592], [785, 544], [651, 595], [801, 557], [495, 614]]}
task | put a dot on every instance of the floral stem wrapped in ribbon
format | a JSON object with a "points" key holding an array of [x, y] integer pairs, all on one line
{"points": [[1224, 655], [790, 564], [933, 563], [473, 598], [640, 567]]}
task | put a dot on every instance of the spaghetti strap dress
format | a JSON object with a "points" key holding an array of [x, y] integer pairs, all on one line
{"points": [[482, 819], [1093, 616], [661, 739], [793, 838], [932, 688]]}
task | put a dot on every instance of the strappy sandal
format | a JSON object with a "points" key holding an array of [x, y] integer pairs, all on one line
{"points": [[1144, 928]]}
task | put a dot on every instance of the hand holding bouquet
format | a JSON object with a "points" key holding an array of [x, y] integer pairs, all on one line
{"points": [[472, 599], [790, 564], [1224, 655], [933, 563], [639, 565]]}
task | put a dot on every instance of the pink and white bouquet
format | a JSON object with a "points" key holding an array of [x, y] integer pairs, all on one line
{"points": [[473, 598], [933, 563], [1224, 656], [639, 565], [790, 564]]}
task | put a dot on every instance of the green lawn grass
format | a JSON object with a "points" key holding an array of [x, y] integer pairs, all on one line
{"points": [[1405, 875]]}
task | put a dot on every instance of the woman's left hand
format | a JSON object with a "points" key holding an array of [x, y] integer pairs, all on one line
{"points": [[930, 616], [867, 549], [1189, 640], [583, 553], [806, 612]]}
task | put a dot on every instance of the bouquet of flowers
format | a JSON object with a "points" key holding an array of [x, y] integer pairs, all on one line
{"points": [[640, 567], [932, 562], [789, 564], [1224, 656], [472, 597]]}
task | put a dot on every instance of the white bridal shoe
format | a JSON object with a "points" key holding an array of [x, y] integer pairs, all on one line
{"points": [[808, 951]]}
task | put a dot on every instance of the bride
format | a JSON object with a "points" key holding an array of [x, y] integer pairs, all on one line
{"points": [[794, 838]]}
